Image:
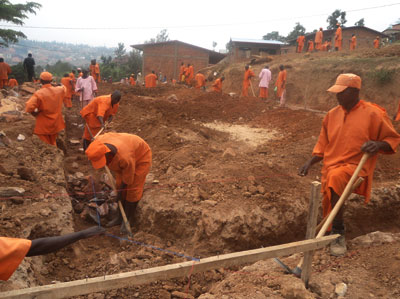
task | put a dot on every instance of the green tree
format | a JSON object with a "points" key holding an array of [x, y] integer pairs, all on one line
{"points": [[229, 46], [59, 68], [360, 22], [297, 30], [15, 14], [120, 51], [333, 19], [162, 36], [274, 35], [18, 72], [214, 44]]}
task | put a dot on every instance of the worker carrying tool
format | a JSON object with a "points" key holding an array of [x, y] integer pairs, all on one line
{"points": [[100, 110], [248, 74], [46, 105], [129, 157], [14, 250], [348, 130]]}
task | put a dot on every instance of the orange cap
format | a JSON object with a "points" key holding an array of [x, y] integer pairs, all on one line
{"points": [[96, 154], [345, 80], [46, 76]]}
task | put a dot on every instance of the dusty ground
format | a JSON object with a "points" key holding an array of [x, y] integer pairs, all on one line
{"points": [[227, 172]]}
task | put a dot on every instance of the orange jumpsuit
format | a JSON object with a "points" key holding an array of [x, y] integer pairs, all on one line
{"points": [[12, 252], [248, 74], [150, 80], [182, 71], [67, 82], [95, 72], [397, 118], [281, 83], [217, 85], [300, 43], [353, 43], [310, 46], [338, 38], [100, 106], [12, 83], [131, 164], [189, 75], [341, 137], [5, 70], [200, 80], [72, 76], [132, 81], [376, 43], [49, 122], [318, 40]]}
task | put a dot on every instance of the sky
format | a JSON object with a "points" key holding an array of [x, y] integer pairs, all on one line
{"points": [[195, 22]]}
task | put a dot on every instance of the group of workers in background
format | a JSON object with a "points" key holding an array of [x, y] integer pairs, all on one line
{"points": [[319, 44]]}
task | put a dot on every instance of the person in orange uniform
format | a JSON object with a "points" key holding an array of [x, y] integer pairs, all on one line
{"points": [[319, 36], [129, 157], [281, 85], [69, 86], [95, 70], [46, 105], [5, 70], [248, 74], [338, 38], [150, 80], [100, 110], [310, 46], [300, 43], [182, 71], [14, 250], [12, 82], [348, 130], [217, 85], [353, 42], [189, 74], [376, 42], [396, 117], [200, 81], [132, 81]]}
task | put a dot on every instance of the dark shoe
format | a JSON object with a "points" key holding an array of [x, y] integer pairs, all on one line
{"points": [[338, 247]]}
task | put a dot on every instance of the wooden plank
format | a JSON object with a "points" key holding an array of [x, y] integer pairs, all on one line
{"points": [[139, 277], [311, 230]]}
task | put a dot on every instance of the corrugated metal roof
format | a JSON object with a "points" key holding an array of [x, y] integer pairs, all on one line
{"points": [[257, 41]]}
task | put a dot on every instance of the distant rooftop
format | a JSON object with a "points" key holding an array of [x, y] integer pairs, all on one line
{"points": [[257, 41]]}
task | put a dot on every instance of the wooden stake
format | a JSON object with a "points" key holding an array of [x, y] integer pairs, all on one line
{"points": [[311, 229], [139, 277], [252, 90]]}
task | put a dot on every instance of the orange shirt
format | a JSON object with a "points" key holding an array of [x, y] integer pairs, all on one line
{"points": [[281, 83], [338, 33], [100, 106], [343, 133], [150, 80], [217, 85], [49, 101], [94, 69], [190, 72], [67, 82], [310, 45], [353, 43], [376, 43], [318, 37], [181, 71], [12, 252], [5, 70], [248, 74], [200, 80], [132, 81], [131, 149], [300, 40], [12, 83]]}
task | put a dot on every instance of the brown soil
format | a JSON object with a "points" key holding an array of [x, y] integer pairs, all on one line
{"points": [[227, 171]]}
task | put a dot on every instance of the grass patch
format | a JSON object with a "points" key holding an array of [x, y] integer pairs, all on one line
{"points": [[382, 76]]}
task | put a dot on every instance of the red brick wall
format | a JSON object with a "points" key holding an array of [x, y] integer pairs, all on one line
{"points": [[167, 58]]}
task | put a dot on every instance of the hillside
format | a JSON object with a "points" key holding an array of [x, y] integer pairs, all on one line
{"points": [[50, 52]]}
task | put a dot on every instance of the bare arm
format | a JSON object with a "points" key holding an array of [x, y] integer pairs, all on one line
{"points": [[51, 244], [304, 170]]}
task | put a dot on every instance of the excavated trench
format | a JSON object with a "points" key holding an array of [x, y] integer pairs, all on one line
{"points": [[216, 193]]}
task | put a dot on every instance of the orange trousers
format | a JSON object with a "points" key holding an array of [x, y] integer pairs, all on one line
{"points": [[67, 102], [3, 83], [134, 192], [300, 48], [50, 139], [263, 92]]}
